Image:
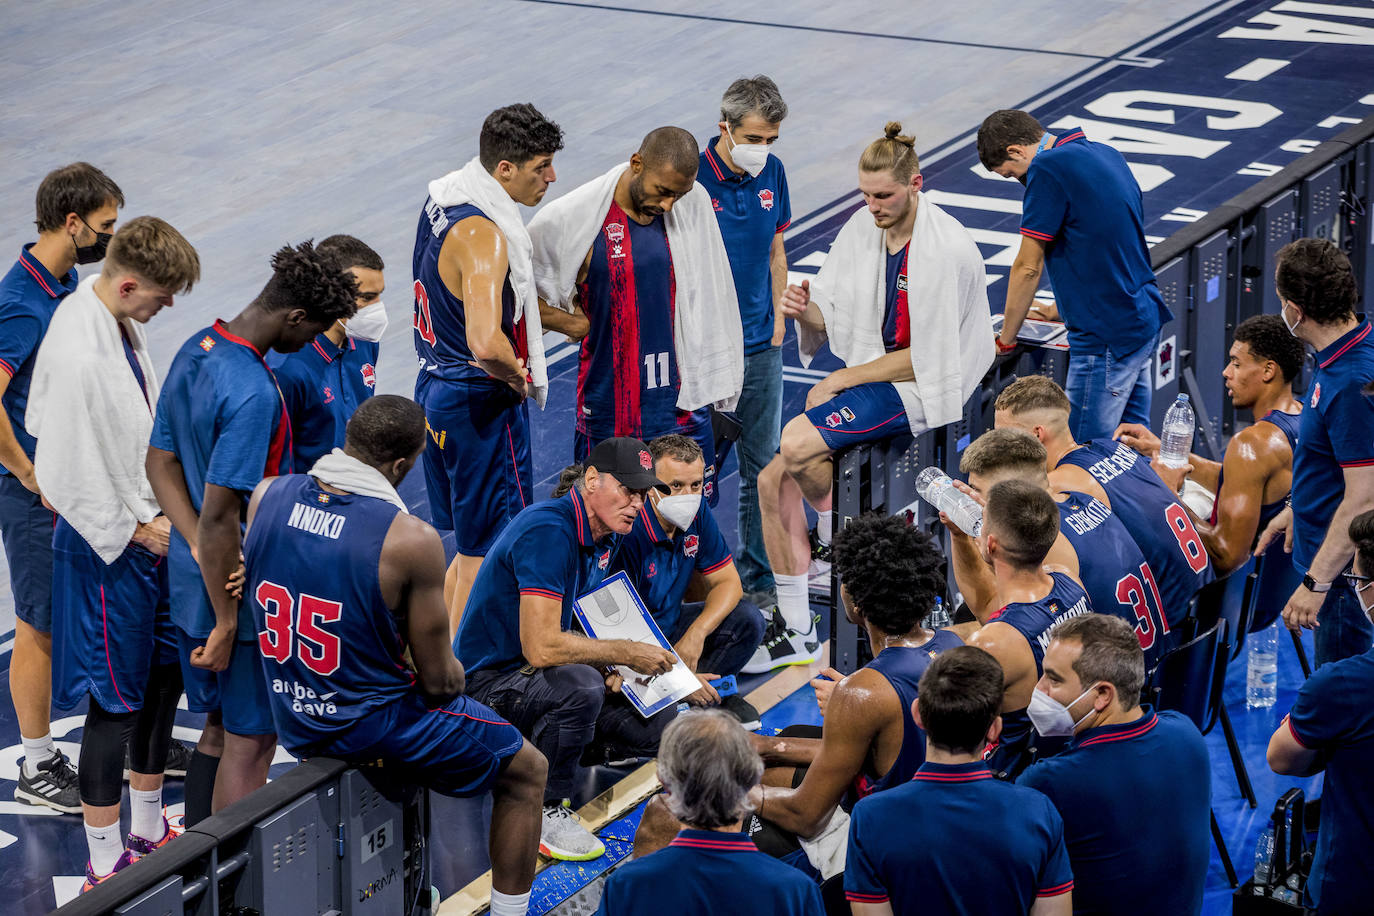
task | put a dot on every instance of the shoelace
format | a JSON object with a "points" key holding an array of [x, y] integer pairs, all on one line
{"points": [[59, 771]]}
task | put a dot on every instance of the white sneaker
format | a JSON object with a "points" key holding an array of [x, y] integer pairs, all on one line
{"points": [[783, 646], [562, 835]]}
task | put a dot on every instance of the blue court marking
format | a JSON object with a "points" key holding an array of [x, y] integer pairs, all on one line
{"points": [[561, 880]]}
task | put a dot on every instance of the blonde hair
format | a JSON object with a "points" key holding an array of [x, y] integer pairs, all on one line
{"points": [[154, 251], [1032, 392], [894, 152]]}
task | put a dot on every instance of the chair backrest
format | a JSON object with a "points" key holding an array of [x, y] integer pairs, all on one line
{"points": [[1189, 677], [1276, 580]]}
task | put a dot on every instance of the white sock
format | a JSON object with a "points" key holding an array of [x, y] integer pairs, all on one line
{"points": [[36, 751], [146, 811], [793, 603], [823, 532], [106, 847], [509, 904]]}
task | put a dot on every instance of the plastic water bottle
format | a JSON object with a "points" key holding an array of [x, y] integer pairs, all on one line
{"points": [[937, 489], [1262, 668], [939, 616], [1176, 438], [1264, 858]]}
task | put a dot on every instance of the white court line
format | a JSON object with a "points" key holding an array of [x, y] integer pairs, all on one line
{"points": [[1257, 69]]}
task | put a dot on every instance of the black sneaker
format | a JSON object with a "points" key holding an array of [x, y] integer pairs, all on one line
{"points": [[784, 646], [54, 786], [819, 551], [178, 759], [743, 710]]}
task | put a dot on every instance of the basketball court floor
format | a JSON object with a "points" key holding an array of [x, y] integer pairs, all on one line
{"points": [[248, 125]]}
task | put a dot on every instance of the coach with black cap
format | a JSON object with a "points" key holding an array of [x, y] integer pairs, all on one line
{"points": [[523, 656]]}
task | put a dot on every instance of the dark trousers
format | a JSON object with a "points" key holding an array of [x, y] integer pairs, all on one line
{"points": [[1344, 630], [731, 644], [566, 713]]}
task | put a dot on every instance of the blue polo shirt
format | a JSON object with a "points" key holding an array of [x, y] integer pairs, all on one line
{"points": [[1336, 431], [1136, 799], [707, 871], [910, 846], [322, 385], [546, 550], [660, 567], [1333, 715], [29, 294], [1082, 200], [222, 416], [751, 211]]}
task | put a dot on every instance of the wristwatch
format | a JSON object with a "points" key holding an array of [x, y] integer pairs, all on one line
{"points": [[1312, 585]]}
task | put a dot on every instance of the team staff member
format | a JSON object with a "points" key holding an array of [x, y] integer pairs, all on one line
{"points": [[675, 540], [524, 659], [219, 428], [341, 540], [479, 335], [1134, 788], [1333, 464], [748, 189], [323, 383], [1082, 220], [709, 770], [76, 207], [1331, 730], [954, 805]]}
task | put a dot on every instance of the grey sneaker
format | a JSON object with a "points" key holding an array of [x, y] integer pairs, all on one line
{"points": [[783, 646], [562, 835], [54, 786]]}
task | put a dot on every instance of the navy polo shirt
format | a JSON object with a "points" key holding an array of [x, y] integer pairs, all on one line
{"points": [[29, 294], [546, 550], [1082, 200], [660, 567], [1333, 716], [323, 384], [751, 211], [910, 845], [1136, 799], [707, 871], [1336, 431]]}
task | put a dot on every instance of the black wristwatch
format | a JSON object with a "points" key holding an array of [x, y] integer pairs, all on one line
{"points": [[1312, 585]]}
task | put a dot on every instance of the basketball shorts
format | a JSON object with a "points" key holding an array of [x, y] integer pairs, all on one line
{"points": [[865, 413], [239, 692]]}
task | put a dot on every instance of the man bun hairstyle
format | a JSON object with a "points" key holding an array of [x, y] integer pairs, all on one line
{"points": [[1004, 128], [893, 571], [571, 476], [152, 250], [79, 188], [1315, 275], [385, 428], [893, 152], [303, 277], [351, 252], [517, 134], [959, 696], [1025, 519]]}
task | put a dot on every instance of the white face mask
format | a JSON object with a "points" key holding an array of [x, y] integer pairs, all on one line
{"points": [[749, 156], [680, 510], [1051, 718], [1283, 313], [1359, 596], [368, 323]]}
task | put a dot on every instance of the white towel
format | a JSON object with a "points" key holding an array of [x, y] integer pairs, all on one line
{"points": [[708, 336], [828, 849], [951, 324], [340, 469], [473, 184], [92, 423]]}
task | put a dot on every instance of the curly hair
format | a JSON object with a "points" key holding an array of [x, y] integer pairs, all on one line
{"points": [[1268, 338], [1316, 276], [893, 571], [305, 278]]}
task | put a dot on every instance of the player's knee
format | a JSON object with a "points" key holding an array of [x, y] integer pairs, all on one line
{"points": [[526, 773], [580, 690], [800, 444]]}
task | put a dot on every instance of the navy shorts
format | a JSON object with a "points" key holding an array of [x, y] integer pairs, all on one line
{"points": [[700, 432], [865, 413], [26, 528], [478, 470], [239, 692], [111, 624]]}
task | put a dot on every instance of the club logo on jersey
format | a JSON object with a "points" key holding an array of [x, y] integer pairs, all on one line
{"points": [[847, 414], [604, 560], [689, 545], [708, 490], [1316, 394], [901, 282], [646, 461], [328, 395], [615, 235], [715, 204], [207, 343], [833, 420], [653, 570], [369, 375], [766, 199]]}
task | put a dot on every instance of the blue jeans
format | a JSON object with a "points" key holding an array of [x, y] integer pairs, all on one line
{"points": [[1345, 630], [760, 415], [1107, 389]]}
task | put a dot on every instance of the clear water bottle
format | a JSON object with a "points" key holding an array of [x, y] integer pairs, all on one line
{"points": [[939, 616], [1262, 668], [1176, 438], [1264, 858], [937, 489]]}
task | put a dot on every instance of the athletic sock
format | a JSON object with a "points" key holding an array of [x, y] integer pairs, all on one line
{"points": [[145, 810], [823, 523], [36, 751], [106, 847], [200, 787], [793, 603], [509, 904]]}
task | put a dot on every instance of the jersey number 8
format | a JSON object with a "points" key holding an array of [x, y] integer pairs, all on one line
{"points": [[317, 648]]}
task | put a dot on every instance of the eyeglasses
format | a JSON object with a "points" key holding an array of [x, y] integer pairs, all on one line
{"points": [[1356, 581]]}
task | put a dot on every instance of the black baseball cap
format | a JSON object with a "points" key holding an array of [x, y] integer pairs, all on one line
{"points": [[628, 459]]}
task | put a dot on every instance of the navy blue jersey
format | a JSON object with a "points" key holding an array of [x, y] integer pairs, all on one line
{"points": [[660, 567], [1136, 802], [911, 847], [331, 650], [627, 374], [903, 666], [1114, 572], [896, 317], [441, 335], [1158, 523], [1277, 577], [322, 385], [1034, 619]]}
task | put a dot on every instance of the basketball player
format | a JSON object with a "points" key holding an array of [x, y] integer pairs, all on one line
{"points": [[220, 427], [473, 333], [342, 582], [1020, 523]]}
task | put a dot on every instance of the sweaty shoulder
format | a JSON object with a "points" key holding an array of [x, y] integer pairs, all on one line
{"points": [[408, 535]]}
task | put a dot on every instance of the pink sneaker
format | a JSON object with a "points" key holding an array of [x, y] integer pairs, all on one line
{"points": [[125, 859], [141, 846]]}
